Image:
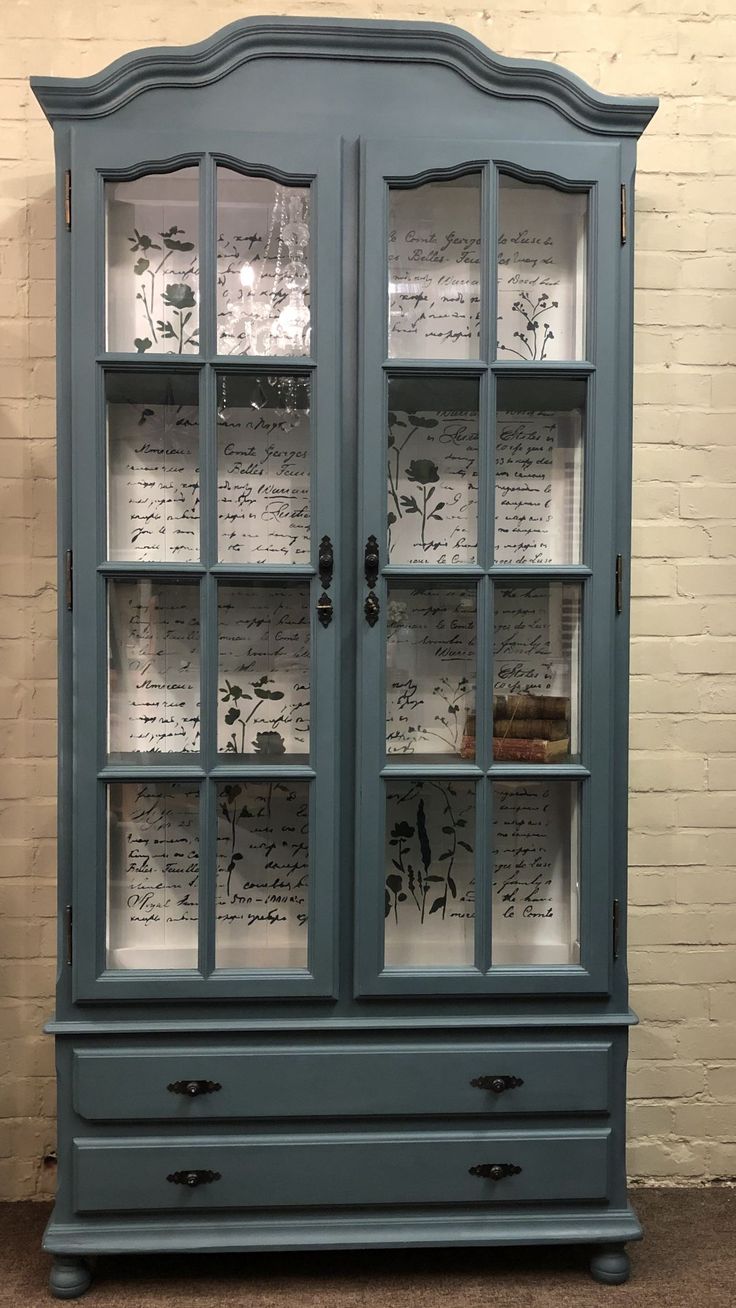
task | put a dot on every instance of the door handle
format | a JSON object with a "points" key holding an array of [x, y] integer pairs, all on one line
{"points": [[371, 609], [326, 561], [324, 609], [371, 561]]}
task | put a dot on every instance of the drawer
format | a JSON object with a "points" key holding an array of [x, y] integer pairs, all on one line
{"points": [[430, 1079], [331, 1171]]}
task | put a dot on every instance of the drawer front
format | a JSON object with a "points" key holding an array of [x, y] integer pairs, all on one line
{"points": [[353, 1081], [330, 1171]]}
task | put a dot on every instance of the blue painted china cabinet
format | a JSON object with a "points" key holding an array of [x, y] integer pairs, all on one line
{"points": [[345, 315]]}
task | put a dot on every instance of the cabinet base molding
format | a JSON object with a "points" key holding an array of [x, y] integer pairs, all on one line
{"points": [[608, 1229], [69, 1277]]}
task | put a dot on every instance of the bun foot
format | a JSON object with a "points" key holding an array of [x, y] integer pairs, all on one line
{"points": [[610, 1264], [69, 1277]]}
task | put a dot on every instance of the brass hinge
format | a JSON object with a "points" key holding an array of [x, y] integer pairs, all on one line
{"points": [[69, 579], [68, 935], [68, 199], [619, 585], [623, 214], [616, 926]]}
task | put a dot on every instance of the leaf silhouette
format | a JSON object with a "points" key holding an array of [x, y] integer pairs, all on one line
{"points": [[424, 845], [142, 344], [139, 267], [438, 903]]}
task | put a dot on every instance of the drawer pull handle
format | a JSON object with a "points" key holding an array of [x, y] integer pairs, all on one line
{"points": [[192, 1179], [494, 1171], [193, 1088], [497, 1083]]}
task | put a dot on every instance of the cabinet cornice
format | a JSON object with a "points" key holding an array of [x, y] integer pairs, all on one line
{"points": [[350, 39]]}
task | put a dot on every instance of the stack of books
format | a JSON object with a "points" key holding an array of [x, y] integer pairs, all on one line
{"points": [[526, 729]]}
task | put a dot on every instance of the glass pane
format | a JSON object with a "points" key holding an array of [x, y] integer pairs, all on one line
{"points": [[536, 673], [262, 874], [152, 467], [541, 271], [264, 456], [430, 670], [536, 868], [264, 679], [432, 470], [263, 274], [539, 471], [153, 263], [434, 254], [153, 863], [429, 908], [153, 671]]}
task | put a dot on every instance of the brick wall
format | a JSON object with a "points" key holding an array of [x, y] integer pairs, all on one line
{"points": [[683, 808]]}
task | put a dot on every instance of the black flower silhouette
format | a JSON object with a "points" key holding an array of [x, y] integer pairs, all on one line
{"points": [[423, 471], [179, 296], [269, 742]]}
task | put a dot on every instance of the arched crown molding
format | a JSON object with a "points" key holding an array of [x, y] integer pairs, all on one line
{"points": [[277, 37]]}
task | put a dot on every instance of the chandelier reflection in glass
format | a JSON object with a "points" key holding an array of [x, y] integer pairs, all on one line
{"points": [[269, 314]]}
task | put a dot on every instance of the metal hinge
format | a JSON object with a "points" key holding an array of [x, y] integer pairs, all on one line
{"points": [[615, 926], [623, 214], [68, 935], [619, 584], [69, 579], [68, 199]]}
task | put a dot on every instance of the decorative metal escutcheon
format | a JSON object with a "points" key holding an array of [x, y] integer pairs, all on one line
{"points": [[324, 609], [193, 1088], [371, 561], [494, 1171], [192, 1179], [326, 562], [371, 608], [497, 1083]]}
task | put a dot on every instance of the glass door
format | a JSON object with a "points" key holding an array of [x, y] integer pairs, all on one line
{"points": [[483, 848], [206, 305]]}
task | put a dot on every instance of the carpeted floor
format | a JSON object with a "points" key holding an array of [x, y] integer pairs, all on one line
{"points": [[687, 1260]]}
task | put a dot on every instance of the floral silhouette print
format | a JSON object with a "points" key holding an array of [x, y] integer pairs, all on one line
{"points": [[266, 742], [421, 879], [269, 742], [531, 345], [178, 297], [422, 472]]}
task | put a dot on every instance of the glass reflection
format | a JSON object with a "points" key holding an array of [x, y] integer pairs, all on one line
{"points": [[263, 272]]}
